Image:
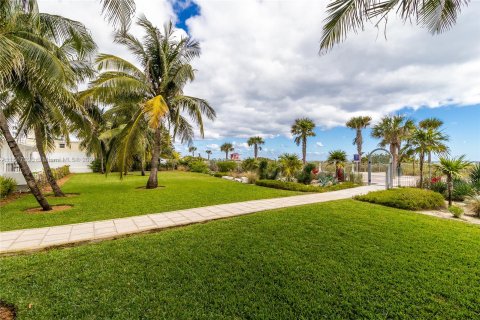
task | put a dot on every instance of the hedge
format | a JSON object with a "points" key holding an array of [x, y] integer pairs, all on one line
{"points": [[405, 198], [294, 186]]}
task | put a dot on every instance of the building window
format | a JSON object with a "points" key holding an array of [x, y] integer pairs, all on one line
{"points": [[62, 145]]}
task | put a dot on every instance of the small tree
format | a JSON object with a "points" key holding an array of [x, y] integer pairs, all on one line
{"points": [[289, 164], [301, 130], [226, 147], [192, 149], [208, 152], [337, 157], [452, 167], [255, 142]]}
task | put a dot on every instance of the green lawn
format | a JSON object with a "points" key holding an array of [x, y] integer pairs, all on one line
{"points": [[105, 198], [335, 260]]}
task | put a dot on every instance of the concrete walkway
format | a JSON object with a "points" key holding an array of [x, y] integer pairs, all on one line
{"points": [[40, 238]]}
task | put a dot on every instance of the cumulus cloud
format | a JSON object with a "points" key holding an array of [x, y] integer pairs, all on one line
{"points": [[260, 69], [319, 144], [213, 146]]}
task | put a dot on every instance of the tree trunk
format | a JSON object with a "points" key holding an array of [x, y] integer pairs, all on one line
{"points": [[142, 163], [393, 151], [430, 165], [27, 174], [304, 150], [46, 166], [413, 165], [152, 182], [255, 150], [226, 155], [102, 170], [422, 161], [449, 188], [359, 143]]}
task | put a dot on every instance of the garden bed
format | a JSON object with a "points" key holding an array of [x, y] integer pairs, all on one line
{"points": [[294, 186], [405, 198]]}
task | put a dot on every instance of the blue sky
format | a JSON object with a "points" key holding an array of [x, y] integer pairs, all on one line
{"points": [[461, 124]]}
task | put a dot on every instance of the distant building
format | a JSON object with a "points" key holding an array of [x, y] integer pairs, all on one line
{"points": [[60, 156], [235, 156]]}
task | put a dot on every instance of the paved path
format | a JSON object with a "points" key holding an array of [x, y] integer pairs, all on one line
{"points": [[39, 238]]}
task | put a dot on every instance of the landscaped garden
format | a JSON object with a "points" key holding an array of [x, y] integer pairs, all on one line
{"points": [[344, 259]]}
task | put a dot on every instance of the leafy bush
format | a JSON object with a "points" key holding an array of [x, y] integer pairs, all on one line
{"points": [[439, 186], [306, 176], [262, 169], [293, 186], [356, 178], [475, 176], [95, 165], [220, 174], [473, 203], [456, 211], [225, 166], [198, 166], [326, 179], [7, 186], [249, 164], [461, 190], [405, 198]]}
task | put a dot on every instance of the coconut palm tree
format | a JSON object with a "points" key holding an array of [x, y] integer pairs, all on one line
{"points": [[301, 130], [289, 165], [393, 130], [155, 91], [227, 147], [192, 149], [424, 142], [351, 15], [255, 142], [431, 124], [208, 152], [359, 123], [452, 168]]}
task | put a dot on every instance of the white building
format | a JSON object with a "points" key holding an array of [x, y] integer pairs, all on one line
{"points": [[61, 155]]}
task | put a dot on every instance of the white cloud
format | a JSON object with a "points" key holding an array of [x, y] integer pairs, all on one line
{"points": [[213, 146], [319, 144]]}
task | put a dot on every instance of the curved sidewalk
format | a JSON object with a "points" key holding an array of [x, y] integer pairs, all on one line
{"points": [[40, 238]]}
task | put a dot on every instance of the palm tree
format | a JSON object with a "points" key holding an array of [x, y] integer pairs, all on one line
{"points": [[358, 123], [426, 141], [393, 130], [226, 147], [452, 168], [338, 158], [301, 130], [431, 124], [289, 164], [255, 142], [351, 15], [208, 152], [192, 149], [155, 92]]}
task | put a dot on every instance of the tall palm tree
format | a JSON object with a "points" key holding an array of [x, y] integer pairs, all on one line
{"points": [[338, 158], [359, 123], [208, 152], [452, 168], [192, 149], [226, 147], [289, 164], [351, 15], [393, 130], [424, 142], [255, 142], [431, 124], [155, 91], [301, 130]]}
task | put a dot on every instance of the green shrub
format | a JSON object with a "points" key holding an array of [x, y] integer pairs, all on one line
{"points": [[225, 166], [249, 164], [475, 176], [198, 166], [7, 186], [440, 187], [326, 179], [473, 203], [262, 169], [356, 178], [456, 211], [306, 175], [461, 190], [405, 198], [220, 174], [95, 165], [294, 186]]}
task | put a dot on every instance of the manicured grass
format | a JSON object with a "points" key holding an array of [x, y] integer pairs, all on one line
{"points": [[105, 198], [405, 198], [336, 260]]}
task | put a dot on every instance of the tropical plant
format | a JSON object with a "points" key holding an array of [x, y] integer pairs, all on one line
{"points": [[338, 158], [433, 125], [255, 142], [351, 15], [306, 175], [7, 186], [473, 202], [227, 147], [392, 130], [475, 176], [209, 153], [456, 211], [357, 124], [249, 164], [192, 149], [452, 168], [289, 165], [301, 130], [225, 166], [154, 92]]}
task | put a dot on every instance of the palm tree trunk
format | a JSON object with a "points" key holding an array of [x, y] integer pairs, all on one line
{"points": [[255, 150], [152, 182], [226, 155], [449, 188], [46, 166], [27, 174], [304, 150], [413, 165], [422, 160], [142, 163], [393, 151], [102, 169], [429, 165]]}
